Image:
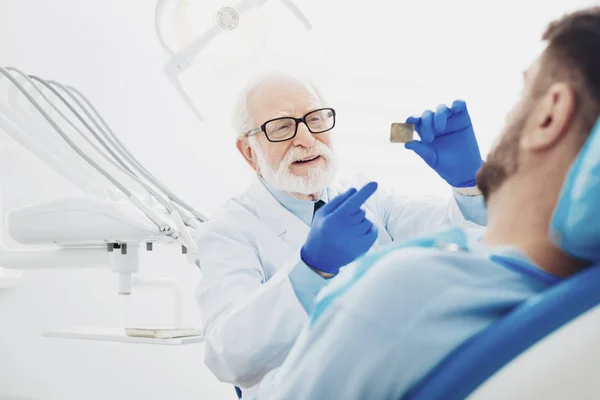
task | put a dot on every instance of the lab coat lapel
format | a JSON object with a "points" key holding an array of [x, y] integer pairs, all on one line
{"points": [[291, 229]]}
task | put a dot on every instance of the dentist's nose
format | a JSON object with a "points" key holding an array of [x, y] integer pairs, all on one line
{"points": [[303, 137]]}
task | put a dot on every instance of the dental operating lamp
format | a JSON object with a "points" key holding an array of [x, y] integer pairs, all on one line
{"points": [[226, 20]]}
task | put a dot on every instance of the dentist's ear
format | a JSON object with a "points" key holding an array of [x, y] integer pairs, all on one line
{"points": [[551, 118], [243, 145]]}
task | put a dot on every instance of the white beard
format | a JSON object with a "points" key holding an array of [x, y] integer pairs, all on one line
{"points": [[282, 178]]}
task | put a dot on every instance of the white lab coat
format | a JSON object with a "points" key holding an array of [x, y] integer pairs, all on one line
{"points": [[251, 315]]}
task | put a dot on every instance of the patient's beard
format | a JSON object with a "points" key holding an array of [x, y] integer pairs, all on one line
{"points": [[502, 161], [282, 178]]}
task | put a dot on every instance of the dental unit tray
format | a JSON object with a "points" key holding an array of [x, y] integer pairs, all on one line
{"points": [[123, 207], [124, 203], [81, 222]]}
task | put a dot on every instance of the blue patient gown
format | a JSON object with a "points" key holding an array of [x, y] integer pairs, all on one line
{"points": [[388, 319]]}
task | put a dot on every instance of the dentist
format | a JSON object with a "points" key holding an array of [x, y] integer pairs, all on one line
{"points": [[268, 252]]}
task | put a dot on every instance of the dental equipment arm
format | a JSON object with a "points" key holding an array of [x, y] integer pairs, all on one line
{"points": [[174, 210], [182, 233], [127, 170], [114, 159], [45, 144], [84, 249], [113, 156], [53, 108], [150, 213], [107, 131], [45, 154]]}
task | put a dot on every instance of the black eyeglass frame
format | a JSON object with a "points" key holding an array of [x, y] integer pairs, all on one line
{"points": [[263, 129]]}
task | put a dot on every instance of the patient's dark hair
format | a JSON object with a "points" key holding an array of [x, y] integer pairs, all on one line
{"points": [[573, 55]]}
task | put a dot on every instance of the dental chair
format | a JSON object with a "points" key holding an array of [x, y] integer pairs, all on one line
{"points": [[548, 347], [537, 352]]}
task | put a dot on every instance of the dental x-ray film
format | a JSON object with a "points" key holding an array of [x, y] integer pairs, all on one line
{"points": [[401, 132]]}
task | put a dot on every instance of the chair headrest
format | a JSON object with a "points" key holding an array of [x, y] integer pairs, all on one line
{"points": [[575, 225]]}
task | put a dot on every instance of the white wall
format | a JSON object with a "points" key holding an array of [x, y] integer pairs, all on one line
{"points": [[108, 50], [410, 57]]}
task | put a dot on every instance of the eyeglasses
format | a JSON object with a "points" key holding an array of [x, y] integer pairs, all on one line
{"points": [[285, 128]]}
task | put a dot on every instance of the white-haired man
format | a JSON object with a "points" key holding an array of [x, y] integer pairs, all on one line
{"points": [[268, 252]]}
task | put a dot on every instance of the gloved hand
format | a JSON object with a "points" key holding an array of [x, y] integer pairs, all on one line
{"points": [[340, 233], [448, 143]]}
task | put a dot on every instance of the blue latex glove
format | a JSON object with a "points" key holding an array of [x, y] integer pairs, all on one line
{"points": [[340, 232], [448, 143]]}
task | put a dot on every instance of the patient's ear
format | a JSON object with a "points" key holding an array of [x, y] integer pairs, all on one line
{"points": [[551, 118], [246, 151]]}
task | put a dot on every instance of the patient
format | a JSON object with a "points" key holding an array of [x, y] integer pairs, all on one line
{"points": [[384, 323]]}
